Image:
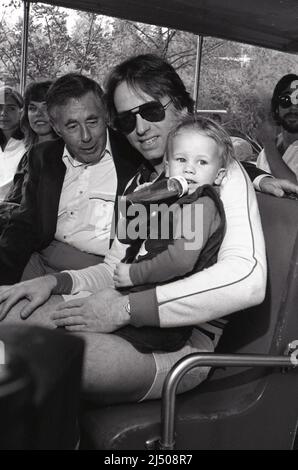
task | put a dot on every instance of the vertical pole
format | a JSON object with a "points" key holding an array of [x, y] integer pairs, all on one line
{"points": [[2, 353], [198, 71], [24, 45]]}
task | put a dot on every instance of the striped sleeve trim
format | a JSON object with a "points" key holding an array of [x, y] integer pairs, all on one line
{"points": [[144, 308], [64, 283]]}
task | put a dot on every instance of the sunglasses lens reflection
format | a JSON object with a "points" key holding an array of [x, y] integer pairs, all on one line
{"points": [[285, 101]]}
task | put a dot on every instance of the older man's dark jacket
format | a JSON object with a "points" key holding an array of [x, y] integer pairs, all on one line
{"points": [[33, 226]]}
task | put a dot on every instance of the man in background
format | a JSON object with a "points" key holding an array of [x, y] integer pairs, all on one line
{"points": [[280, 153]]}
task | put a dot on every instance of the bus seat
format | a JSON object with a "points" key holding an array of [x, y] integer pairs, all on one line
{"points": [[235, 408], [52, 361]]}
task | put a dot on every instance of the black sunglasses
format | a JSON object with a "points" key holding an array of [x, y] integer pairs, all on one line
{"points": [[285, 101], [152, 111]]}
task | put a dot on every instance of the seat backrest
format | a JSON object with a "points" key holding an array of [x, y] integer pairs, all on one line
{"points": [[260, 325], [269, 395], [236, 407]]}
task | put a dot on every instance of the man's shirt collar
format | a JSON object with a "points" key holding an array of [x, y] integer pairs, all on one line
{"points": [[68, 159]]}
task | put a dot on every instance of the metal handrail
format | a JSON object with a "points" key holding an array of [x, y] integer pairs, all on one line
{"points": [[24, 53], [167, 441], [199, 56]]}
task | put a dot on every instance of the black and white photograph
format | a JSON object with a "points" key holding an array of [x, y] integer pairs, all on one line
{"points": [[148, 227]]}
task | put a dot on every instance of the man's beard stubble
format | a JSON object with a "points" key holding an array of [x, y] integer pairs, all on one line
{"points": [[292, 126]]}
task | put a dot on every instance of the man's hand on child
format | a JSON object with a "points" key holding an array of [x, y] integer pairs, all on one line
{"points": [[121, 275]]}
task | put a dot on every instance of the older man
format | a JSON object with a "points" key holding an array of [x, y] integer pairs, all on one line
{"points": [[65, 217]]}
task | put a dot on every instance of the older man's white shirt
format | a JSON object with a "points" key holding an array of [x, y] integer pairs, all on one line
{"points": [[87, 203]]}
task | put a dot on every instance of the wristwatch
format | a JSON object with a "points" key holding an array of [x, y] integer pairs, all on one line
{"points": [[127, 308]]}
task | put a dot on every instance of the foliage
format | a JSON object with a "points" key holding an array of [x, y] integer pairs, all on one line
{"points": [[234, 77], [49, 42], [10, 53], [48, 45], [244, 91]]}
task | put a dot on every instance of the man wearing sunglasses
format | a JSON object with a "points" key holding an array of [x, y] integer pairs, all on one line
{"points": [[280, 153]]}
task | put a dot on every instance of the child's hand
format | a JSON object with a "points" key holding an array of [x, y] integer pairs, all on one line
{"points": [[121, 275]]}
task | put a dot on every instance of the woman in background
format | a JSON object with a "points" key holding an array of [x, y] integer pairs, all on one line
{"points": [[12, 146], [35, 124]]}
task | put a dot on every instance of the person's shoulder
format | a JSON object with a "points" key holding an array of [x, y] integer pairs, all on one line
{"points": [[207, 202], [236, 171], [204, 209], [236, 187], [293, 147], [209, 198], [46, 150], [205, 198]]}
